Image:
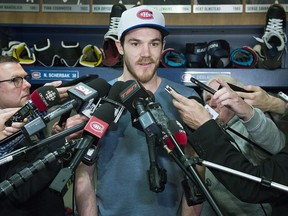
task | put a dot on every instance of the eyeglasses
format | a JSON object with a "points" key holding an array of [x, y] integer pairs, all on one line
{"points": [[18, 81]]}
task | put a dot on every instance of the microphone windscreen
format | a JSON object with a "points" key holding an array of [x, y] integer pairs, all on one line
{"points": [[45, 97], [178, 133], [100, 85], [105, 112], [198, 99], [100, 120], [132, 90], [115, 90]]}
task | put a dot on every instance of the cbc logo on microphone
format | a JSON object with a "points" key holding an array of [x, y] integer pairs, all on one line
{"points": [[50, 95]]}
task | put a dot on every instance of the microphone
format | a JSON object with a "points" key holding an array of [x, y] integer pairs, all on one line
{"points": [[145, 118], [114, 91], [133, 91], [157, 177], [41, 99], [85, 94], [192, 192], [135, 99], [162, 120], [177, 130], [11, 184], [113, 99], [159, 116], [94, 130], [73, 82], [174, 134], [82, 100]]}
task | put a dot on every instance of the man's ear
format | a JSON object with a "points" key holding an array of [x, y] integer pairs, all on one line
{"points": [[119, 47], [164, 43]]}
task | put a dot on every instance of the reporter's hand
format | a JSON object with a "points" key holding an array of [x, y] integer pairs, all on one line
{"points": [[261, 99], [191, 112], [258, 97], [61, 90], [5, 114], [75, 120], [16, 126], [230, 99], [56, 128]]}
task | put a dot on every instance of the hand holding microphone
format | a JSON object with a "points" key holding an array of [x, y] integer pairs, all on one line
{"points": [[41, 99], [5, 114], [72, 121], [82, 98], [62, 91], [5, 131]]}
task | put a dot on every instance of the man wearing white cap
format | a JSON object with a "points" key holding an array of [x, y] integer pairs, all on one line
{"points": [[122, 185]]}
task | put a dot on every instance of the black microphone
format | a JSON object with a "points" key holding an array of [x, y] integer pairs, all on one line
{"points": [[83, 79], [159, 116], [41, 99], [162, 121], [192, 192], [133, 91], [94, 130], [157, 176], [135, 98], [86, 94], [82, 99], [145, 118], [113, 99]]}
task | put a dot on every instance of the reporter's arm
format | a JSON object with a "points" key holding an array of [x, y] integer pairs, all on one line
{"points": [[211, 144], [265, 132], [72, 121], [84, 185], [261, 99], [85, 194], [261, 129]]}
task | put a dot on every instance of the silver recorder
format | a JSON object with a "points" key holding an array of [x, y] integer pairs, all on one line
{"points": [[283, 96]]}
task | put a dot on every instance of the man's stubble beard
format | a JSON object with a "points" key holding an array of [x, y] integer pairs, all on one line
{"points": [[143, 79]]}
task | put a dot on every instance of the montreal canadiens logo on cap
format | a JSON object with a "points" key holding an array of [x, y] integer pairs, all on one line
{"points": [[145, 14]]}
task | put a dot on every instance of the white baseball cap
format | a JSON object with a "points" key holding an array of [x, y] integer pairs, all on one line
{"points": [[141, 16]]}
